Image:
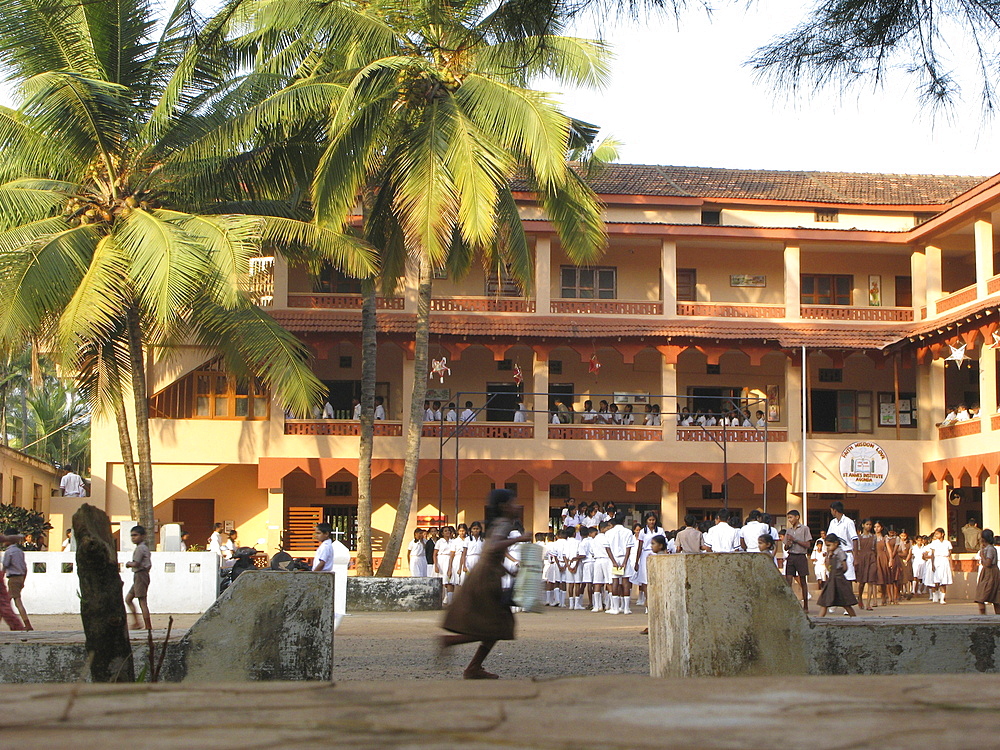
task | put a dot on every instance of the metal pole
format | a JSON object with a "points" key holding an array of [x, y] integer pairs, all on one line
{"points": [[765, 455], [805, 419], [458, 428], [725, 467]]}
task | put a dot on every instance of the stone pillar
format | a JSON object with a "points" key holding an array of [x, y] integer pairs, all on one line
{"points": [[925, 520], [791, 410], [539, 509], [939, 509], [668, 407], [983, 230], [279, 282], [932, 273], [991, 504], [543, 275], [668, 277], [987, 386], [540, 404], [275, 516], [918, 281], [670, 511], [793, 283]]}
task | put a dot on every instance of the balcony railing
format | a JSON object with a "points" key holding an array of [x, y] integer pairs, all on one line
{"points": [[730, 310], [483, 304], [960, 429], [604, 307], [341, 301], [993, 285], [522, 430], [733, 435], [842, 312], [995, 422], [339, 427], [956, 299], [604, 432]]}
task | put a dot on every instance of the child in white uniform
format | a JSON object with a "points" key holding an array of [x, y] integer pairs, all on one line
{"points": [[587, 565], [416, 553], [602, 569], [937, 575], [818, 557], [459, 549], [620, 548], [442, 561], [473, 546], [573, 574]]}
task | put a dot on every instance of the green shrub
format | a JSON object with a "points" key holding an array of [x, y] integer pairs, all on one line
{"points": [[25, 520]]}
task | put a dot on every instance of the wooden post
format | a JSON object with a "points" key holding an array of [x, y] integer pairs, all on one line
{"points": [[102, 606]]}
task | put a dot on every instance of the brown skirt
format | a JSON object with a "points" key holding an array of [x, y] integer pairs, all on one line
{"points": [[478, 609], [988, 588], [837, 592]]}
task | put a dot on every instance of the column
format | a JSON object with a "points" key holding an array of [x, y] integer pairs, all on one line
{"points": [[275, 516], [793, 283], [668, 277], [540, 401], [930, 398], [791, 410], [402, 409], [983, 230], [918, 281], [939, 509], [932, 272], [668, 407], [543, 275], [987, 386], [279, 282], [410, 283], [539, 509], [670, 512], [991, 504]]}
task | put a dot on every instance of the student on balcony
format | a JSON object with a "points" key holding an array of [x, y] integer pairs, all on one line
{"points": [[432, 413], [468, 415], [588, 416], [521, 414], [379, 407], [451, 415], [564, 414], [684, 419]]}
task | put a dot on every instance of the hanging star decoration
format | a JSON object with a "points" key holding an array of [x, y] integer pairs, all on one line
{"points": [[996, 341], [595, 363], [518, 375], [957, 354], [439, 368]]}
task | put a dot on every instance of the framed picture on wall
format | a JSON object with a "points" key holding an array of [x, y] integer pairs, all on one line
{"points": [[773, 404], [439, 394], [875, 291]]}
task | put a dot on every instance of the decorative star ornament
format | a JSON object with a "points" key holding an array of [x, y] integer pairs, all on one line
{"points": [[595, 363], [996, 341], [439, 368], [518, 375], [957, 354]]}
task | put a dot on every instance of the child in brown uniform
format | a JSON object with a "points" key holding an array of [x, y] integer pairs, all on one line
{"points": [[988, 586], [837, 591], [140, 565]]}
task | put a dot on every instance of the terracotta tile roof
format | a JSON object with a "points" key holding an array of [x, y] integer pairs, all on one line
{"points": [[786, 334], [818, 187]]}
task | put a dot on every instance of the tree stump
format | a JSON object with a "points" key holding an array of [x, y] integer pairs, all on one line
{"points": [[102, 606]]}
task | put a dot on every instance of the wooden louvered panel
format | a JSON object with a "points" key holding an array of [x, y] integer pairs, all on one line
{"points": [[299, 529]]}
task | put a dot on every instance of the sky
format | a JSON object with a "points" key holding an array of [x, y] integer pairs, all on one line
{"points": [[681, 94]]}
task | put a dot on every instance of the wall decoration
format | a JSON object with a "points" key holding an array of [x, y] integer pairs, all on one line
{"points": [[746, 279], [631, 398], [863, 466], [875, 291], [440, 273], [887, 409], [439, 394], [773, 405]]}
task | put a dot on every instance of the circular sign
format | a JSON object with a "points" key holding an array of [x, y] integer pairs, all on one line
{"points": [[863, 466]]}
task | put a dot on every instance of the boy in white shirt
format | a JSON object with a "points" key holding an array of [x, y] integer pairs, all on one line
{"points": [[451, 415], [323, 559], [379, 407], [620, 544], [468, 415], [573, 574], [602, 568], [416, 555]]}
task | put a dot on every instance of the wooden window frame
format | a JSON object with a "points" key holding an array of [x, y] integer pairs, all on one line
{"points": [[691, 296], [815, 297], [224, 388], [574, 291], [858, 417]]}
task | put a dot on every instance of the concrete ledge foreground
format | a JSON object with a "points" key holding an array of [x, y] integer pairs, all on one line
{"points": [[621, 712]]}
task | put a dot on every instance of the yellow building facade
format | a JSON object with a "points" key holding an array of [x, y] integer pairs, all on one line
{"points": [[715, 287]]}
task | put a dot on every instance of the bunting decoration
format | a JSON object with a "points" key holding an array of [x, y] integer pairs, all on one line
{"points": [[595, 363], [518, 375], [957, 354], [439, 368], [996, 341]]}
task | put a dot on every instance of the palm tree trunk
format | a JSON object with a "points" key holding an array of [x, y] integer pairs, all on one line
{"points": [[416, 425], [369, 352], [128, 462], [141, 400], [3, 414]]}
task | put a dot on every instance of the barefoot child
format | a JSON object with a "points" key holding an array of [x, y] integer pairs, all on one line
{"points": [[837, 591], [140, 565], [16, 570]]}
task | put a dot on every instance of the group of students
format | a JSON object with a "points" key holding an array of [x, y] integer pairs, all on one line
{"points": [[604, 414], [449, 553], [731, 418]]}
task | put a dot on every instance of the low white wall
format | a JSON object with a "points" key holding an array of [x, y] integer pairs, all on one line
{"points": [[180, 582]]}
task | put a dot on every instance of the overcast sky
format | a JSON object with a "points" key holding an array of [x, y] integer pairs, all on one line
{"points": [[683, 96]]}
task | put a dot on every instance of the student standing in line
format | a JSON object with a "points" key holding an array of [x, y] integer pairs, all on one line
{"points": [[988, 584], [459, 551], [722, 537], [798, 539], [690, 541], [473, 547], [323, 559], [819, 563], [904, 565], [842, 527], [416, 555], [442, 561], [619, 549], [140, 565], [938, 577], [644, 549]]}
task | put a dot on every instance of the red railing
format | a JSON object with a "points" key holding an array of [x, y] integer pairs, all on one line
{"points": [[959, 429], [604, 307], [604, 432], [522, 430], [341, 301], [995, 422], [733, 435], [730, 310], [483, 304], [993, 285], [956, 299], [839, 312], [339, 427]]}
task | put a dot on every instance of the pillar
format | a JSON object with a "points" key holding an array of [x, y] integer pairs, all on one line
{"points": [[670, 512], [275, 516], [540, 402], [410, 282], [918, 281], [279, 283], [668, 277], [987, 386], [930, 398], [932, 272], [991, 504], [925, 519], [791, 408], [793, 283], [939, 509], [668, 408], [543, 275], [983, 231], [539, 508], [402, 409]]}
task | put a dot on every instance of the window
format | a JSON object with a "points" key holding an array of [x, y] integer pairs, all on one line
{"points": [[920, 218], [827, 215], [841, 411], [831, 375], [558, 491], [827, 290], [713, 369], [500, 283], [346, 363], [343, 518], [904, 291], [339, 489], [36, 499], [555, 367], [711, 218], [219, 395], [332, 281], [589, 283], [505, 365], [687, 284]]}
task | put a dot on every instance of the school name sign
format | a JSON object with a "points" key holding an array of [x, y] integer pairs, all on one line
{"points": [[864, 466]]}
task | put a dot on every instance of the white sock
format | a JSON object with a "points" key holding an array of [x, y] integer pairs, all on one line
{"points": [[616, 603], [548, 597], [608, 600]]}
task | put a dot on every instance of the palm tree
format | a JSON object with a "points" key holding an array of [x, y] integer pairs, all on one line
{"points": [[113, 238], [429, 113]]}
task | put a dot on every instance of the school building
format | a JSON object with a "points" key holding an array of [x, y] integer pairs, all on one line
{"points": [[716, 286]]}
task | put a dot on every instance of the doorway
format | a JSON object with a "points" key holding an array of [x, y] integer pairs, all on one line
{"points": [[716, 401], [197, 518], [823, 414], [501, 401], [565, 391]]}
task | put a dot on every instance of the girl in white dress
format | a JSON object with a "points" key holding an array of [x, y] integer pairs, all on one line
{"points": [[460, 548], [550, 573], [650, 528], [941, 574], [818, 557], [918, 563], [417, 554], [473, 547], [442, 561]]}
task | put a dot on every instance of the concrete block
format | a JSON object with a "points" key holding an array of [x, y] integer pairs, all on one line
{"points": [[269, 625], [723, 614], [393, 594]]}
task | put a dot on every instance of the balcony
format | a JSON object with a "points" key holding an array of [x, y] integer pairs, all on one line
{"points": [[483, 304], [604, 432], [993, 285], [841, 312], [995, 422], [604, 307], [340, 301], [730, 310], [517, 430], [956, 299], [343, 428], [732, 435], [960, 429]]}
